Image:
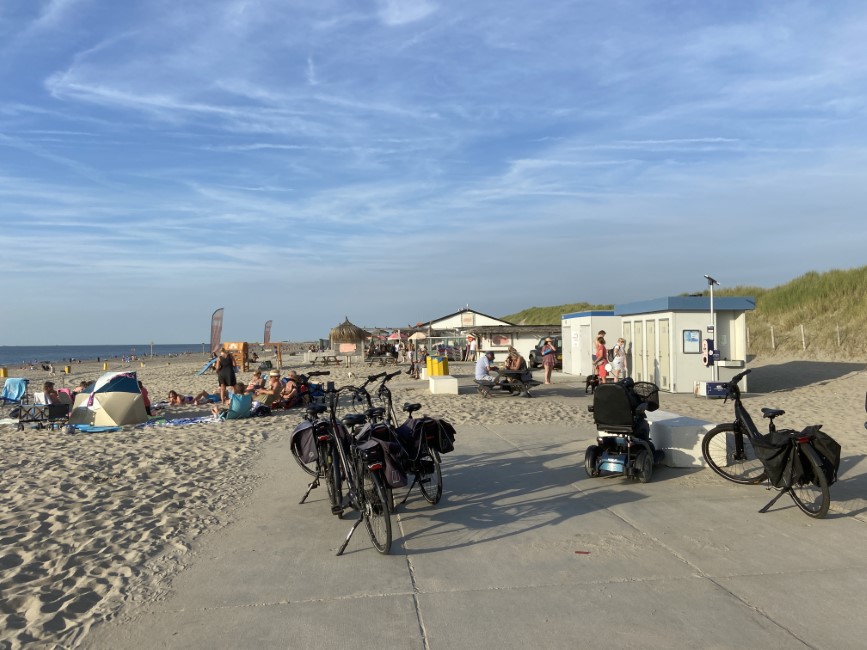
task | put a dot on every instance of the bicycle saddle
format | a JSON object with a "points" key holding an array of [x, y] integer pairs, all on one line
{"points": [[316, 409], [772, 413], [353, 419], [411, 408], [375, 412]]}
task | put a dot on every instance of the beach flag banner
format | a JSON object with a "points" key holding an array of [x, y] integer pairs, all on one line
{"points": [[267, 339], [216, 330]]}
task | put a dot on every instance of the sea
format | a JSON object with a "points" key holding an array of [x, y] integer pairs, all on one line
{"points": [[15, 356]]}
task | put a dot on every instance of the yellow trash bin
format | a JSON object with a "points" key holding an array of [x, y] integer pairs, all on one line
{"points": [[3, 372], [105, 366], [67, 369], [437, 366]]}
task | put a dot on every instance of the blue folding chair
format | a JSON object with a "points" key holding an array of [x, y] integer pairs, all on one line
{"points": [[14, 391]]}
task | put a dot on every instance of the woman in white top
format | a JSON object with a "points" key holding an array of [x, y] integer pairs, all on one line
{"points": [[619, 363]]}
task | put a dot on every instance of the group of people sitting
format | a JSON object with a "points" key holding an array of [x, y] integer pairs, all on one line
{"points": [[486, 371], [242, 399]]}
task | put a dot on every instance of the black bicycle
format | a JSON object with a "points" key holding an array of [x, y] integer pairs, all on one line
{"points": [[788, 459], [418, 440], [313, 447], [359, 468]]}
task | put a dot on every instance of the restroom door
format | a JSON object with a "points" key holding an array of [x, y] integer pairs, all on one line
{"points": [[638, 351], [652, 361], [664, 355]]}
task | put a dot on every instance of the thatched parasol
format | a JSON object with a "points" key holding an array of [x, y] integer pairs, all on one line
{"points": [[346, 332]]}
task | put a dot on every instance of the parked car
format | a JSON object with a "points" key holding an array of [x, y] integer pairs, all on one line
{"points": [[534, 360]]}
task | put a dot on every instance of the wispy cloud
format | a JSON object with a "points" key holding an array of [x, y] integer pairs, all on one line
{"points": [[221, 141]]}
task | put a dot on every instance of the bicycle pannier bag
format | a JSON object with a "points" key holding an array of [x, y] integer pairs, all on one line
{"points": [[395, 476], [775, 451], [828, 450], [304, 442]]}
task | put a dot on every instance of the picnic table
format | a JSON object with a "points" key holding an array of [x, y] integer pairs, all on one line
{"points": [[326, 360], [384, 360]]}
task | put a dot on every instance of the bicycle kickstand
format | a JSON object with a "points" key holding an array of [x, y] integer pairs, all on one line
{"points": [[313, 484], [408, 492], [775, 499], [349, 536]]}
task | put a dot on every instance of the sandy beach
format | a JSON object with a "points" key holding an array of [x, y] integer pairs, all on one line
{"points": [[92, 522]]}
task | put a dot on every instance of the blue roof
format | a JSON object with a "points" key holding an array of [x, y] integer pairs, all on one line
{"points": [[686, 303], [578, 314]]}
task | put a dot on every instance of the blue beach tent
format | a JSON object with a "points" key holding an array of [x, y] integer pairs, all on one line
{"points": [[112, 400]]}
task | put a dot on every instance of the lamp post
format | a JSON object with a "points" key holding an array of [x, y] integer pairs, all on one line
{"points": [[714, 372]]}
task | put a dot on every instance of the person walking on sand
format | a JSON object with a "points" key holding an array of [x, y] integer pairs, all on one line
{"points": [[549, 358], [225, 367]]}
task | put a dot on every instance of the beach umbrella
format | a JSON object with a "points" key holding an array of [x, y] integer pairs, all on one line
{"points": [[418, 336], [346, 332], [394, 336]]}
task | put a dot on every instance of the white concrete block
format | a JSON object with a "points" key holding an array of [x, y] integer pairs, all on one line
{"points": [[444, 385], [679, 437]]}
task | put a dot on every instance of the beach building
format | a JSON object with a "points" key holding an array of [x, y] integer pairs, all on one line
{"points": [[579, 332], [672, 342], [451, 331]]}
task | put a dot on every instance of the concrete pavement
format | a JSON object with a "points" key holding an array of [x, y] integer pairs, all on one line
{"points": [[523, 550]]}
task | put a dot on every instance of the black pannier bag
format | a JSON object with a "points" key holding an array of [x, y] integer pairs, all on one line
{"points": [[774, 449], [443, 435], [829, 453], [304, 442], [395, 475]]}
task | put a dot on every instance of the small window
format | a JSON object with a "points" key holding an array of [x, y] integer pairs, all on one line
{"points": [[691, 341]]}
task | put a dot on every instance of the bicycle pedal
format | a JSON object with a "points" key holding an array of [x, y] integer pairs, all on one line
{"points": [[336, 510]]}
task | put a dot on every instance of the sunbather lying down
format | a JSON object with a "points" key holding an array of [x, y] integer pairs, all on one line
{"points": [[240, 404], [182, 400]]}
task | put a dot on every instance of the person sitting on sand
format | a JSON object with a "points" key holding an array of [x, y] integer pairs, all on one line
{"points": [[145, 398], [289, 395], [257, 382], [240, 404], [182, 400], [51, 396], [81, 387], [271, 393]]}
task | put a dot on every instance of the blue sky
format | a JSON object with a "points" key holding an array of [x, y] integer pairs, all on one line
{"points": [[393, 161]]}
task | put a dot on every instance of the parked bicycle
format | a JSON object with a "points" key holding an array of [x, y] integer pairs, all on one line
{"points": [[359, 469], [800, 463]]}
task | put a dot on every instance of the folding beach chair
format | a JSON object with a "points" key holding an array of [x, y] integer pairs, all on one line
{"points": [[14, 391]]}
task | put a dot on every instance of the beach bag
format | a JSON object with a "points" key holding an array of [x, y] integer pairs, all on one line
{"points": [[610, 355]]}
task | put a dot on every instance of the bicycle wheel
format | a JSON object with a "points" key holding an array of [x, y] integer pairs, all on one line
{"points": [[374, 509], [720, 450], [333, 482], [430, 477], [813, 496]]}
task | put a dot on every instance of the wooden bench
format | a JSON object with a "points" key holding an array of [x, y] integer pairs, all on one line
{"points": [[382, 361]]}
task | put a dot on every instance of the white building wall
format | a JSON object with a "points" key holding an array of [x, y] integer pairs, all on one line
{"points": [[579, 340]]}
